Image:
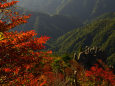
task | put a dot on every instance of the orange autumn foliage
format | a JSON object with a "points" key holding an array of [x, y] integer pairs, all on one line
{"points": [[7, 4], [99, 74], [20, 56]]}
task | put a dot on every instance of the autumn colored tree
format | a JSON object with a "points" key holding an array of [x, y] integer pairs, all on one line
{"points": [[21, 61], [100, 77]]}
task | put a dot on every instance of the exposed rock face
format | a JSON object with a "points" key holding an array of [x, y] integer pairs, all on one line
{"points": [[90, 55]]}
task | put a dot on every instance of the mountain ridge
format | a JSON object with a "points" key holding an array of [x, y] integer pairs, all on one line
{"points": [[93, 34], [52, 26], [83, 9]]}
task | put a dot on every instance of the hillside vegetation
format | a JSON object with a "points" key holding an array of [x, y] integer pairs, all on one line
{"points": [[100, 32], [52, 26]]}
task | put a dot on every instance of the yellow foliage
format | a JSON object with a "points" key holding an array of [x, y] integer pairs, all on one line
{"points": [[1, 36]]}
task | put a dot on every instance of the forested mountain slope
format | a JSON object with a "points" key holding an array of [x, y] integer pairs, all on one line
{"points": [[100, 32], [53, 26]]}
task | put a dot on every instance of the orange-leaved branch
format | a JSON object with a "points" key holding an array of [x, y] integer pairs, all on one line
{"points": [[101, 75], [21, 61]]}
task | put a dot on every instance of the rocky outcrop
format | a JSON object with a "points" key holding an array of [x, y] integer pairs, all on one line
{"points": [[90, 55]]}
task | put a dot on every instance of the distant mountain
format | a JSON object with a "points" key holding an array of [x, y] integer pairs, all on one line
{"points": [[44, 24], [82, 9], [100, 32], [87, 8], [45, 6]]}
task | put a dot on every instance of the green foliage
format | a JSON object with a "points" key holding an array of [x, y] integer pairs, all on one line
{"points": [[57, 65], [111, 60], [100, 32], [66, 58], [60, 63]]}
